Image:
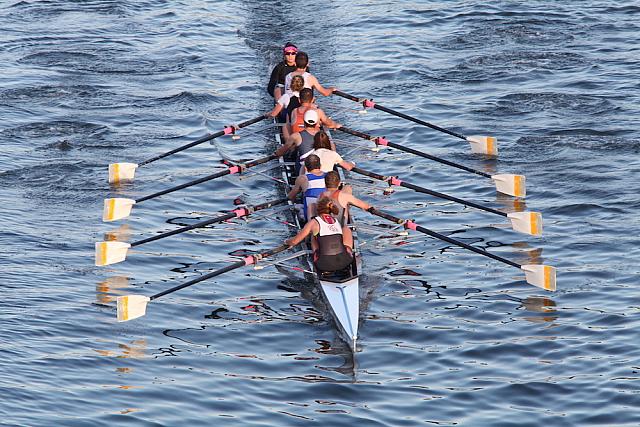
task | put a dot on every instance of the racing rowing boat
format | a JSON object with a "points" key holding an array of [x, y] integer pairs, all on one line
{"points": [[340, 290]]}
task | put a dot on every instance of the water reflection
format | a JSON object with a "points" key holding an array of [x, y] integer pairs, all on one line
{"points": [[542, 305], [107, 290], [120, 234]]}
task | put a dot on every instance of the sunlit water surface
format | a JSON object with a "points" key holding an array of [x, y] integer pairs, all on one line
{"points": [[447, 337]]}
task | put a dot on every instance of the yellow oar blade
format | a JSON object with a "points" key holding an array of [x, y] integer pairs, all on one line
{"points": [[526, 222], [483, 144], [131, 307], [542, 276], [121, 172], [117, 208], [513, 185], [111, 252]]}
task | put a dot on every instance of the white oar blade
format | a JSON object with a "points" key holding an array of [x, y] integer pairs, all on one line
{"points": [[483, 144], [111, 252], [131, 307], [513, 185], [542, 276], [526, 222], [121, 172], [117, 208]]}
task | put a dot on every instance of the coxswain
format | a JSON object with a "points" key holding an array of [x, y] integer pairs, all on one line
{"points": [[310, 81], [293, 97], [333, 245], [342, 196], [329, 158], [311, 185], [280, 71]]}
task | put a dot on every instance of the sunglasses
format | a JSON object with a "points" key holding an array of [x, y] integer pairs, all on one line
{"points": [[290, 53]]}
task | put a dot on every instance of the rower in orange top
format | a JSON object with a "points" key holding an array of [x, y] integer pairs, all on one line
{"points": [[306, 104], [333, 247], [310, 81]]}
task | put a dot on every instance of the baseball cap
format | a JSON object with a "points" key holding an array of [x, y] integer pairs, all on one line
{"points": [[311, 117]]}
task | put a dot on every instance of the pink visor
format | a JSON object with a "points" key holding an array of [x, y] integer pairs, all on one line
{"points": [[290, 49]]}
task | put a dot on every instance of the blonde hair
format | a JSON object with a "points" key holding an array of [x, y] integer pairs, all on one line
{"points": [[297, 83]]}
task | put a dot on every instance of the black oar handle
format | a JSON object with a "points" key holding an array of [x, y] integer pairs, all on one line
{"points": [[230, 170], [236, 213], [384, 142], [228, 130], [251, 259], [395, 181], [413, 226], [369, 103], [185, 185]]}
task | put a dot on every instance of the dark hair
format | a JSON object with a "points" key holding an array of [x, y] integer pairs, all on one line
{"points": [[306, 95], [302, 60], [321, 140], [326, 206], [332, 179], [312, 162]]}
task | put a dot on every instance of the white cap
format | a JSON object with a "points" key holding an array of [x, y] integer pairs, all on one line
{"points": [[311, 117]]}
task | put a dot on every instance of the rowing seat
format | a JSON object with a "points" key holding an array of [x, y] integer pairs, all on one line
{"points": [[338, 276]]}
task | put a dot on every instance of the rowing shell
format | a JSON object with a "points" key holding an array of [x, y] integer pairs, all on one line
{"points": [[341, 290]]}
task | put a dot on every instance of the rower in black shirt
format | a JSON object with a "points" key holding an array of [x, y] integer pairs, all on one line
{"points": [[287, 65]]}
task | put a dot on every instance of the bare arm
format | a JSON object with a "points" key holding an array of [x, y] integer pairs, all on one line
{"points": [[310, 227], [297, 187], [346, 165], [352, 200], [316, 85], [325, 120]]}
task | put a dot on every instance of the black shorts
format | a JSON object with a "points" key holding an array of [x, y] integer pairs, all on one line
{"points": [[334, 262]]}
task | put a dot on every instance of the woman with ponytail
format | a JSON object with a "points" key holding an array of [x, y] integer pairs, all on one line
{"points": [[332, 244]]}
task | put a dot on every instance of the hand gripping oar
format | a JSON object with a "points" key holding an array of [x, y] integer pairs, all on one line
{"points": [[524, 222], [513, 185], [117, 208], [542, 276], [479, 143], [119, 172], [113, 252], [133, 306]]}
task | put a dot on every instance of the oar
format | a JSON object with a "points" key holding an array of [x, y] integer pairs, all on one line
{"points": [[133, 306], [513, 185], [117, 208], [120, 172], [113, 252], [524, 222], [479, 143], [542, 276]]}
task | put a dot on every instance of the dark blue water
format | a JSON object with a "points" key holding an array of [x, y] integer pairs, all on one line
{"points": [[447, 337]]}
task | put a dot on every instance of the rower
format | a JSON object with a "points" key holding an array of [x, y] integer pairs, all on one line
{"points": [[310, 184], [333, 248], [342, 196], [325, 149], [310, 81], [306, 104], [293, 97], [280, 71]]}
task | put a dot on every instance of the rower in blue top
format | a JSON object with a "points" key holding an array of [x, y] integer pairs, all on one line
{"points": [[310, 184]]}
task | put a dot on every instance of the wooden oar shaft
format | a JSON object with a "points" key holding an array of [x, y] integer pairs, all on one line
{"points": [[203, 139], [401, 115], [413, 226], [237, 213], [230, 170], [251, 259], [384, 142], [396, 181]]}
